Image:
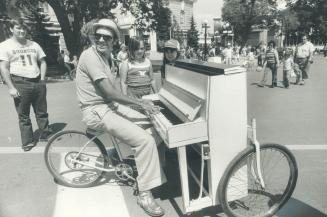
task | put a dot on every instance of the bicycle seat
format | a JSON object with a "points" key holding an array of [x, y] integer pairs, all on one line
{"points": [[94, 132]]}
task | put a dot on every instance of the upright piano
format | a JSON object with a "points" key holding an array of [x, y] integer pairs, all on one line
{"points": [[204, 104]]}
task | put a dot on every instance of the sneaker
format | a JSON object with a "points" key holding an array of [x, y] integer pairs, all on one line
{"points": [[148, 204], [260, 85], [302, 82], [28, 146], [297, 81]]}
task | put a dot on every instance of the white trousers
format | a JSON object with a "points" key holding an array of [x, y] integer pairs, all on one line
{"points": [[120, 122]]}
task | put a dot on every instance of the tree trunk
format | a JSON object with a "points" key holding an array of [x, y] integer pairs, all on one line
{"points": [[69, 36]]}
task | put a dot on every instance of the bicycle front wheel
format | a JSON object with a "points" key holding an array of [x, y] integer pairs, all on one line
{"points": [[240, 191], [75, 160]]}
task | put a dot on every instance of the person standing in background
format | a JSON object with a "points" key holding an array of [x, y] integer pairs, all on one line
{"points": [[288, 67], [272, 62], [261, 53], [304, 58], [122, 54], [325, 50], [23, 68], [228, 53]]}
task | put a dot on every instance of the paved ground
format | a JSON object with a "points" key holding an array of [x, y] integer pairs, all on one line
{"points": [[295, 117]]}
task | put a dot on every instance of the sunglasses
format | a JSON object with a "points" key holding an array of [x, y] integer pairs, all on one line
{"points": [[105, 37], [168, 49]]}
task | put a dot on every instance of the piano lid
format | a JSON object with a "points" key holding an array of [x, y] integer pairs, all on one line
{"points": [[208, 68]]}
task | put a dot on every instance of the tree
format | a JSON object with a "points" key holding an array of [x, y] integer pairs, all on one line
{"points": [[193, 35], [290, 24], [312, 17], [176, 31], [163, 22], [73, 14], [244, 14], [4, 26]]}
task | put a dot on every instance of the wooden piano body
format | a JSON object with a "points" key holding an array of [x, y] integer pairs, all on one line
{"points": [[208, 102]]}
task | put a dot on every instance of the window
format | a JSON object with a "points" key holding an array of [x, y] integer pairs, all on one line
{"points": [[182, 17]]}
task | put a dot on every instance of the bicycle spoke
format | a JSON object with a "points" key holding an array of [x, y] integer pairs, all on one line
{"points": [[244, 193], [74, 159]]}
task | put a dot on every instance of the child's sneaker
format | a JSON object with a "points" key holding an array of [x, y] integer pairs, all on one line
{"points": [[260, 85]]}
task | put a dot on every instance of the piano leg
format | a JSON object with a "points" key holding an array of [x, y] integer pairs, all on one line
{"points": [[182, 160]]}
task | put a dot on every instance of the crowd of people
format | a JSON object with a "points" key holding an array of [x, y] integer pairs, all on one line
{"points": [[295, 61], [107, 108]]}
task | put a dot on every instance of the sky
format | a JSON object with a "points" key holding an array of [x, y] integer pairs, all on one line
{"points": [[207, 10]]}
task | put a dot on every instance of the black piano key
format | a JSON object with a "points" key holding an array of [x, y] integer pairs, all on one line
{"points": [[168, 114]]}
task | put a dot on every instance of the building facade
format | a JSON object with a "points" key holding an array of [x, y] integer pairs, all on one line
{"points": [[182, 12]]}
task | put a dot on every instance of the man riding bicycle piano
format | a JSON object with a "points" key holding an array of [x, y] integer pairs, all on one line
{"points": [[103, 108]]}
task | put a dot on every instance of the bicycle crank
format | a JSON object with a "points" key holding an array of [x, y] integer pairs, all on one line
{"points": [[124, 172]]}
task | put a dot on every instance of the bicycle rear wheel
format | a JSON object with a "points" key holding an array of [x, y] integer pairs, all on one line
{"points": [[74, 160], [240, 192]]}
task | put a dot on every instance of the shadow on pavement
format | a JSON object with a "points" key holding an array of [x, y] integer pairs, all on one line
{"points": [[171, 190], [296, 208], [56, 127]]}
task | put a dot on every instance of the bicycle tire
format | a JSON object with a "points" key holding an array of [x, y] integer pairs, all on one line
{"points": [[240, 200], [63, 147]]}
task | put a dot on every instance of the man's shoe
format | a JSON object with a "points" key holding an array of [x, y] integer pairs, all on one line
{"points": [[29, 146], [302, 82], [148, 204]]}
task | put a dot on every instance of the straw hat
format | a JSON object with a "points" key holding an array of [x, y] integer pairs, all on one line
{"points": [[107, 23]]}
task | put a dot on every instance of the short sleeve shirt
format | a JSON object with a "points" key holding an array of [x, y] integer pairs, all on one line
{"points": [[139, 73], [228, 52], [23, 59], [304, 50], [288, 64], [91, 68]]}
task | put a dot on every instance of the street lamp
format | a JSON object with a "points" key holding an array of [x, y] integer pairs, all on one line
{"points": [[228, 31], [217, 41], [205, 26]]}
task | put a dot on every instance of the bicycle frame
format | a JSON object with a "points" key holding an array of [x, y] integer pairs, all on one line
{"points": [[252, 135], [111, 168]]}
